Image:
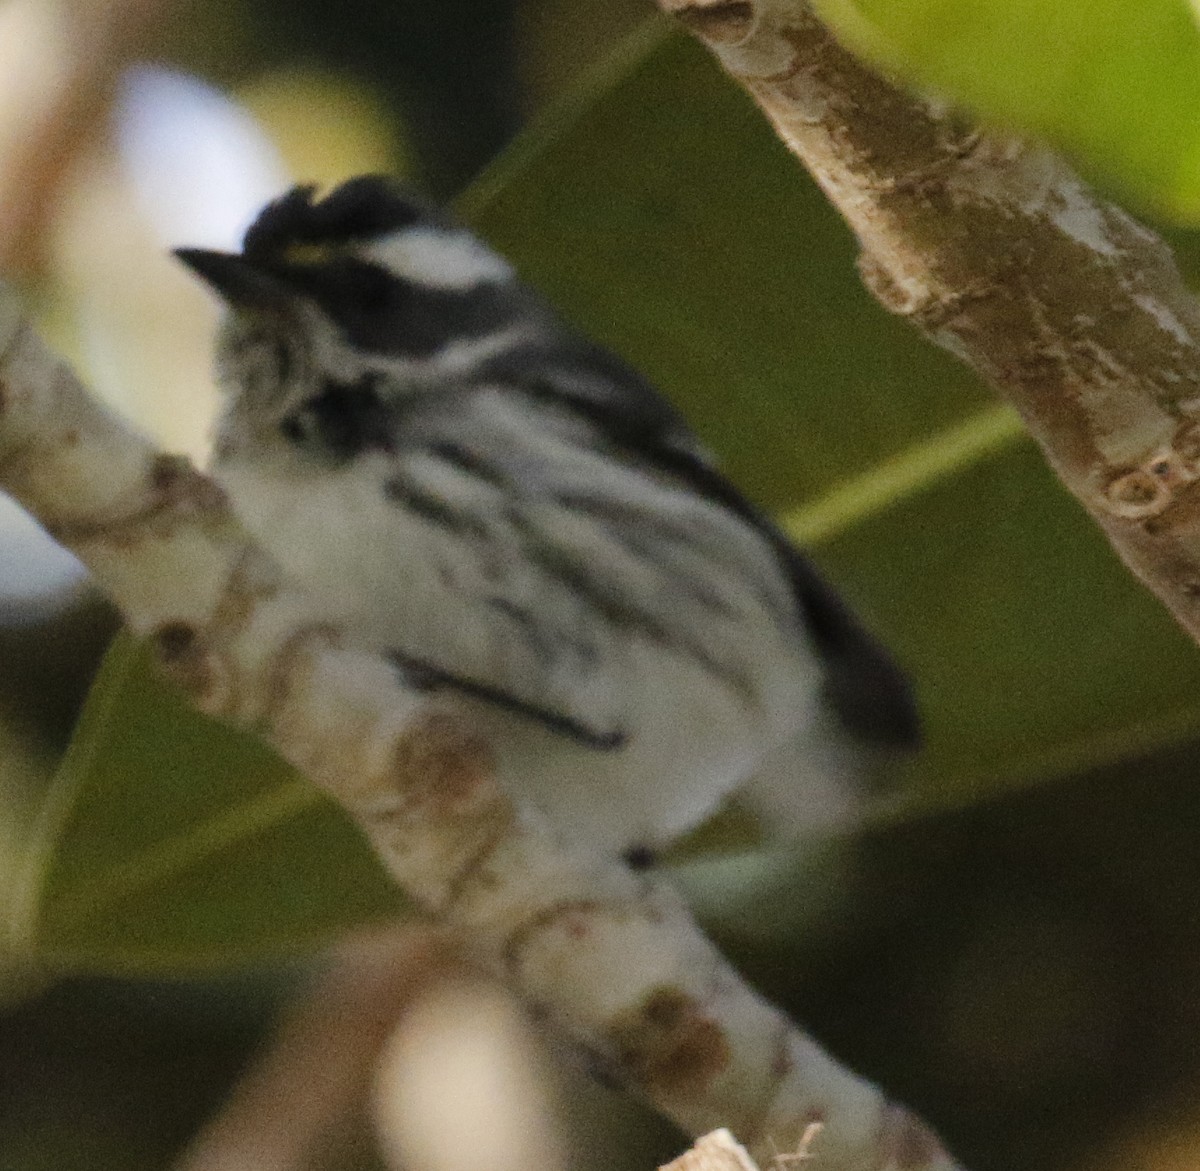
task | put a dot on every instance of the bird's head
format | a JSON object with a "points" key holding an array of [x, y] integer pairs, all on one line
{"points": [[368, 283]]}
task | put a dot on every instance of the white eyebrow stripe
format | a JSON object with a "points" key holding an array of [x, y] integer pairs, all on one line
{"points": [[439, 258]]}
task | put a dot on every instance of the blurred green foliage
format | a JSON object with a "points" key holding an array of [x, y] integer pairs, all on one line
{"points": [[239, 866]]}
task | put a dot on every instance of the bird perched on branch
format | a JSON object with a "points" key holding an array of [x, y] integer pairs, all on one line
{"points": [[526, 528]]}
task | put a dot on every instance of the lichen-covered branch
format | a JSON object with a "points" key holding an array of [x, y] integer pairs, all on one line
{"points": [[997, 251], [610, 959]]}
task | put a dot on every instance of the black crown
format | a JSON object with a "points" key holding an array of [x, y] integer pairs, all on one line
{"points": [[359, 209]]}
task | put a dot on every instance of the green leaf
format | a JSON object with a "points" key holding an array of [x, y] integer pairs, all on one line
{"points": [[1116, 83], [171, 842], [661, 214]]}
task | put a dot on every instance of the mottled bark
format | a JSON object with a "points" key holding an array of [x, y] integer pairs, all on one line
{"points": [[997, 251]]}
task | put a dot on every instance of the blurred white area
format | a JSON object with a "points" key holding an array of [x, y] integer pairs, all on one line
{"points": [[462, 1084], [36, 575], [199, 165], [191, 168]]}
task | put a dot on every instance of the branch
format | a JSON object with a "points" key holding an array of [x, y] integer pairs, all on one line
{"points": [[997, 251], [612, 961]]}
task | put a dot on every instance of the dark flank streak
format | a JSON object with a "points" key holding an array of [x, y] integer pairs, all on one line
{"points": [[427, 677], [462, 459], [863, 684], [536, 635], [548, 643], [647, 535], [574, 577], [432, 508]]}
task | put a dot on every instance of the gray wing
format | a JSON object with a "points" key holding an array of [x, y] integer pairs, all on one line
{"points": [[864, 685], [560, 555]]}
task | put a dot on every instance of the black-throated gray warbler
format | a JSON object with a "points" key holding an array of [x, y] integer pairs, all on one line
{"points": [[523, 525]]}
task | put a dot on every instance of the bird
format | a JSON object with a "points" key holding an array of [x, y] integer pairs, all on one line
{"points": [[530, 533]]}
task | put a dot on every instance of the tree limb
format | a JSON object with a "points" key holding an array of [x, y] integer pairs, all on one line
{"points": [[997, 251], [608, 958]]}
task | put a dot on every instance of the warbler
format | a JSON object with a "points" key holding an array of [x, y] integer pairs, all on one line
{"points": [[530, 532]]}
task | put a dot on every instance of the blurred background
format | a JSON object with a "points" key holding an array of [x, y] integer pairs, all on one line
{"points": [[1019, 962]]}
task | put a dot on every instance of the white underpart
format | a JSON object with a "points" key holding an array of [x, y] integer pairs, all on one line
{"points": [[398, 581], [438, 258]]}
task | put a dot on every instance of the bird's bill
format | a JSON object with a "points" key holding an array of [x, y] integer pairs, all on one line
{"points": [[237, 280]]}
